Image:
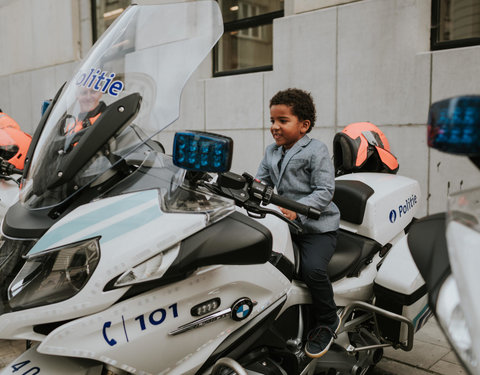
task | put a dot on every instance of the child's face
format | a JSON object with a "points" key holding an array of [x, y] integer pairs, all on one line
{"points": [[286, 128]]}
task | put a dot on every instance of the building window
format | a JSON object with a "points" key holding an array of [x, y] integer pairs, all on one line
{"points": [[104, 12], [247, 43], [455, 23]]}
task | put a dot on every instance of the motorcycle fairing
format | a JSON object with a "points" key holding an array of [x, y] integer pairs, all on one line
{"points": [[33, 362], [117, 335], [108, 219], [430, 252], [121, 233], [214, 244]]}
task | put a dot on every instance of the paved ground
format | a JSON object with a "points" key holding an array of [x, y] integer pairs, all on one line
{"points": [[9, 350], [431, 354]]}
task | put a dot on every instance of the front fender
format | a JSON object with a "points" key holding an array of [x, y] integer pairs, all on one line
{"points": [[32, 362]]}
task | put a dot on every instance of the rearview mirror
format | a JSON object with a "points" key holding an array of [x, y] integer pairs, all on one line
{"points": [[202, 152]]}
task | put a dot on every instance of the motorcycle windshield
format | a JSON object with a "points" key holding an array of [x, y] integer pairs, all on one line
{"points": [[124, 93]]}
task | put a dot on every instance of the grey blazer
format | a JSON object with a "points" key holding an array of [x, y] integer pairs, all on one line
{"points": [[306, 176]]}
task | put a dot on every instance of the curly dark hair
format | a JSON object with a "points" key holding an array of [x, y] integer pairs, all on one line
{"points": [[300, 101]]}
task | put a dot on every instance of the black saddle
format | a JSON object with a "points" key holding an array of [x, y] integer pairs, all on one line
{"points": [[352, 254]]}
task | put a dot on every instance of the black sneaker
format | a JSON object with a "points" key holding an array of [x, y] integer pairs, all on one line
{"points": [[319, 339]]}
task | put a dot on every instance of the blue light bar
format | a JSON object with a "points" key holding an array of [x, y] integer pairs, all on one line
{"points": [[454, 125], [202, 152]]}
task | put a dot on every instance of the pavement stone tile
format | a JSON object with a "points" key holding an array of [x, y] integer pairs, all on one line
{"points": [[423, 355], [452, 358], [432, 333], [448, 368], [391, 367], [9, 350]]}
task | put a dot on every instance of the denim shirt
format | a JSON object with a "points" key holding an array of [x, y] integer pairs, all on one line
{"points": [[306, 175]]}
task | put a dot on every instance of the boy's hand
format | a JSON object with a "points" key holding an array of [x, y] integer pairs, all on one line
{"points": [[292, 215]]}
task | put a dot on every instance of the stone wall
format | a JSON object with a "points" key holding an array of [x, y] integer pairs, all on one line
{"points": [[365, 60]]}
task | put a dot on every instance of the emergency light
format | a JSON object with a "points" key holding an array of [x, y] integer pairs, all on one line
{"points": [[454, 125], [202, 152]]}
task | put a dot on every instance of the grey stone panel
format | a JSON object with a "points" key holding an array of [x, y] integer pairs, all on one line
{"points": [[449, 174], [20, 100], [234, 102], [382, 75], [455, 72], [305, 57], [409, 145]]}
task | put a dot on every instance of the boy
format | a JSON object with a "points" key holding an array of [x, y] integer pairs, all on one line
{"points": [[301, 169]]}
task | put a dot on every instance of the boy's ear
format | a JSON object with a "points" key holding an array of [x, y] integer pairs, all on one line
{"points": [[305, 126]]}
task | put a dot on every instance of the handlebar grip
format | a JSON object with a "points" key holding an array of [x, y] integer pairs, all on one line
{"points": [[299, 208]]}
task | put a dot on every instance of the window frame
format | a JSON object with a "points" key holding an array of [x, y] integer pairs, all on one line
{"points": [[241, 24], [93, 11], [235, 25], [436, 45]]}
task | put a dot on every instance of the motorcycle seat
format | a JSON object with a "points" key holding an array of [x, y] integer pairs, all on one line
{"points": [[351, 199], [352, 254]]}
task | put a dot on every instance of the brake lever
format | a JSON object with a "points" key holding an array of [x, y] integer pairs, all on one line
{"points": [[255, 208], [256, 215]]}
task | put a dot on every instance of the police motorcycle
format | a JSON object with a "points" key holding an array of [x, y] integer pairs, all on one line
{"points": [[445, 245], [121, 259]]}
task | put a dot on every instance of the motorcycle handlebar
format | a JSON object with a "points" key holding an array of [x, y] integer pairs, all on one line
{"points": [[264, 193], [299, 208], [7, 169]]}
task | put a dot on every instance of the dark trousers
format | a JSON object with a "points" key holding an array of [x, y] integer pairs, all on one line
{"points": [[316, 250]]}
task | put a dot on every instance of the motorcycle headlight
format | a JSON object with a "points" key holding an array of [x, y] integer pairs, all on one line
{"points": [[452, 319], [55, 275]]}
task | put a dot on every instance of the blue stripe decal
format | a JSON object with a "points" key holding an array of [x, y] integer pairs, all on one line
{"points": [[92, 218], [127, 225], [419, 315]]}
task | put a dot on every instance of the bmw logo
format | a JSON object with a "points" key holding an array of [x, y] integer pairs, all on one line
{"points": [[242, 308], [393, 216]]}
